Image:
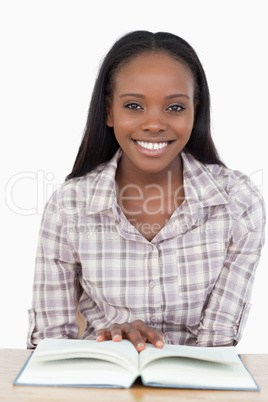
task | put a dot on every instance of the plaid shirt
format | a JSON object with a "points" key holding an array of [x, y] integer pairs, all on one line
{"points": [[192, 282]]}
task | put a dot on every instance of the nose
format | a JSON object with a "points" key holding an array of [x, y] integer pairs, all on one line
{"points": [[153, 123]]}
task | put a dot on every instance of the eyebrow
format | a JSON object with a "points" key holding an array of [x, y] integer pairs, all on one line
{"points": [[167, 97]]}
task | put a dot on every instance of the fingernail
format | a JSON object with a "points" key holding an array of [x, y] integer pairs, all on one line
{"points": [[117, 338], [159, 344], [140, 346], [99, 338]]}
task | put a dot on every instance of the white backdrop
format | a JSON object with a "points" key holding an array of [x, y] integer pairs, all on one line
{"points": [[50, 53]]}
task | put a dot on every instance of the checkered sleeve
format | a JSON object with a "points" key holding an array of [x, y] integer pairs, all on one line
{"points": [[226, 312], [53, 312]]}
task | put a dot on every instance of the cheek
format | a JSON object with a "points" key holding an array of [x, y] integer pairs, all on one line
{"points": [[124, 126], [184, 125]]}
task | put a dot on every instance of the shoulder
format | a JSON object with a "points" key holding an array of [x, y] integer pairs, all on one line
{"points": [[218, 185], [231, 183], [236, 184], [244, 198], [72, 196], [90, 193]]}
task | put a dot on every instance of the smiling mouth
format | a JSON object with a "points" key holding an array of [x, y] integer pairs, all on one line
{"points": [[153, 146]]}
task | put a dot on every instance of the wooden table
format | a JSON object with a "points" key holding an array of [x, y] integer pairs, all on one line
{"points": [[11, 360]]}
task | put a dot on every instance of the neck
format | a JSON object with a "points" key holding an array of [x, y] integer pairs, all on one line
{"points": [[128, 175]]}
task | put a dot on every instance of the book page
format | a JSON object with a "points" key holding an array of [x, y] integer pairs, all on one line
{"points": [[76, 372], [225, 355], [192, 373], [122, 353]]}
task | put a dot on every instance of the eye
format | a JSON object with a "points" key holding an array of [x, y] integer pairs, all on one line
{"points": [[133, 106], [175, 108]]}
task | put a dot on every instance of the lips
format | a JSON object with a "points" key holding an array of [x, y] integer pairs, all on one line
{"points": [[153, 146]]}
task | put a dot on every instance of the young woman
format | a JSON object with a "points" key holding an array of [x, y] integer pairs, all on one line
{"points": [[153, 236]]}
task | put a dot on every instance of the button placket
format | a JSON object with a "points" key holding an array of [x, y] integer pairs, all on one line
{"points": [[153, 322], [154, 287]]}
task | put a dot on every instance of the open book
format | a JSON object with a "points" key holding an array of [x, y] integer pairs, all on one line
{"points": [[86, 363]]}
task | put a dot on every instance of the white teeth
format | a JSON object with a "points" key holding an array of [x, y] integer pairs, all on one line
{"points": [[152, 145]]}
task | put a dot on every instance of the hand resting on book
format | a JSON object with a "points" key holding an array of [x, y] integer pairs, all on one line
{"points": [[137, 332]]}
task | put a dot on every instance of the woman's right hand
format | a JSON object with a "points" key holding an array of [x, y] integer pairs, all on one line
{"points": [[136, 332]]}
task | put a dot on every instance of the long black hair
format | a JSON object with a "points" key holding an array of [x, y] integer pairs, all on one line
{"points": [[99, 143]]}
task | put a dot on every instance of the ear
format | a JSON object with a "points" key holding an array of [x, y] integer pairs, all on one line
{"points": [[109, 113]]}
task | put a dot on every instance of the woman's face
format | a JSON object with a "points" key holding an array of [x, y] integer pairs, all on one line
{"points": [[152, 112]]}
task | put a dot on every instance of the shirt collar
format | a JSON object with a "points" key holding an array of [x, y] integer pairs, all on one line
{"points": [[200, 185], [203, 184]]}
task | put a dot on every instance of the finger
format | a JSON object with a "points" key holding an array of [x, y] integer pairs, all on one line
{"points": [[116, 332], [133, 335], [113, 332], [154, 337], [101, 335]]}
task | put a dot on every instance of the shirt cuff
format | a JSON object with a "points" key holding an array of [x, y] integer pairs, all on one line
{"points": [[34, 336], [218, 335], [31, 318]]}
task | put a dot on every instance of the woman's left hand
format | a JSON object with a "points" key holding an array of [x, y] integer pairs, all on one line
{"points": [[137, 332]]}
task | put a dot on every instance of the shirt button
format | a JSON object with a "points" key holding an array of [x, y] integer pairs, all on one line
{"points": [[151, 284], [153, 320]]}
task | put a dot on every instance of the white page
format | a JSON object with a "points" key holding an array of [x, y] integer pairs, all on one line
{"points": [[217, 354], [76, 372], [185, 372], [122, 353]]}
